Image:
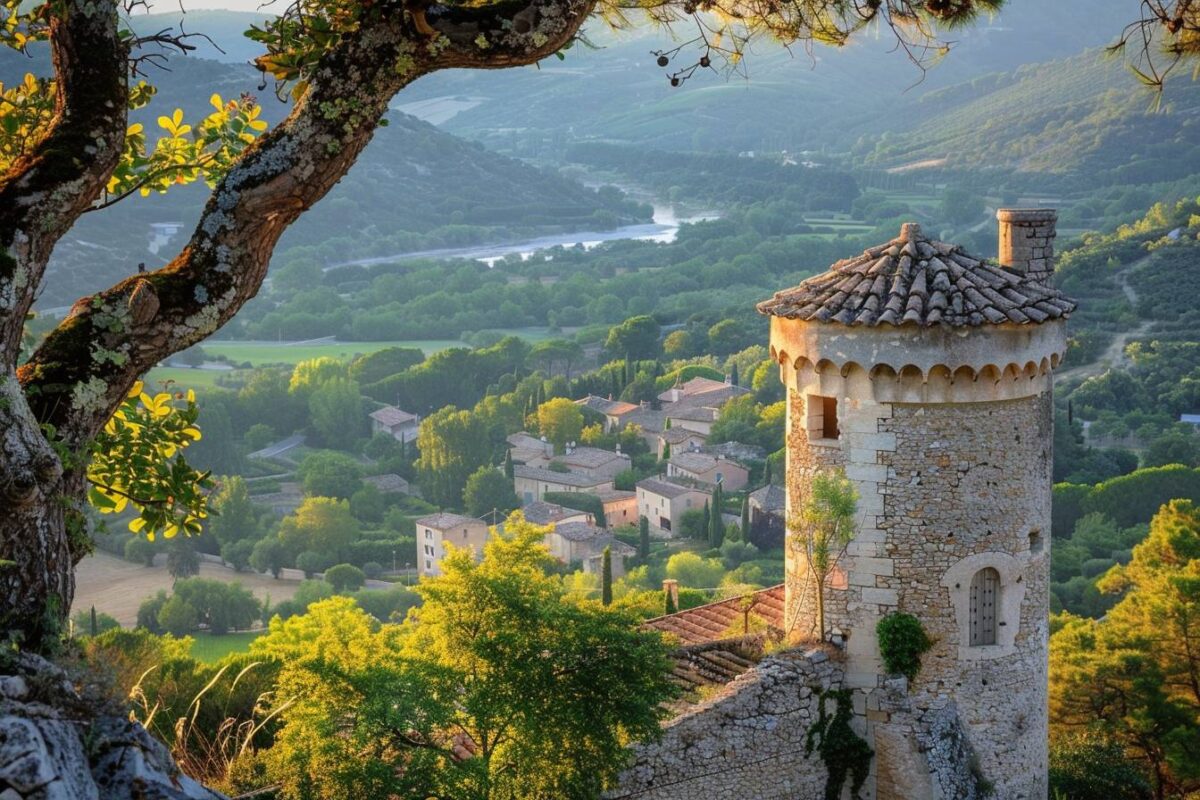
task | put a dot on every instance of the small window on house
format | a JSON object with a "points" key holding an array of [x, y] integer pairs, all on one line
{"points": [[985, 600], [1035, 542], [823, 417], [428, 564]]}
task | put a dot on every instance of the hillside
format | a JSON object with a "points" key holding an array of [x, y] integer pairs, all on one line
{"points": [[1084, 115], [786, 100], [415, 188]]}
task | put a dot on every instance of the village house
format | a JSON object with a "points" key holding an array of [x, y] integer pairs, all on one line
{"points": [[708, 470], [532, 483], [583, 542], [663, 504], [591, 461], [613, 411], [435, 531], [620, 507], [738, 451], [539, 512], [680, 439], [525, 448], [400, 425]]}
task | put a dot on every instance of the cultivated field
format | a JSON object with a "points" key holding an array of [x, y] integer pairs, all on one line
{"points": [[118, 587], [258, 353]]}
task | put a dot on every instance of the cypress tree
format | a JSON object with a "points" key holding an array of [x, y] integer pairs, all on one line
{"points": [[746, 519], [716, 528], [767, 473], [707, 519], [629, 370], [643, 538], [606, 577], [666, 456], [671, 609], [733, 374], [508, 464], [616, 385]]}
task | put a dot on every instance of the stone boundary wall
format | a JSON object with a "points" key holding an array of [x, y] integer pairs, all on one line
{"points": [[745, 742]]}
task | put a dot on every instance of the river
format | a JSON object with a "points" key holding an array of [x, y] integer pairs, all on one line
{"points": [[664, 228]]}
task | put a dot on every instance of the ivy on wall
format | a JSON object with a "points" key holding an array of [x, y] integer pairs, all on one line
{"points": [[843, 751]]}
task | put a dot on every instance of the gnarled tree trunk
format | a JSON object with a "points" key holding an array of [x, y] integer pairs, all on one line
{"points": [[79, 375]]}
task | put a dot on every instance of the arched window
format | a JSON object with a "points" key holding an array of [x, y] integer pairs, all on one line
{"points": [[985, 600]]}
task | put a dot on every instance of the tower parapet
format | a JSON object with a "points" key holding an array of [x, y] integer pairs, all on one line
{"points": [[926, 375]]}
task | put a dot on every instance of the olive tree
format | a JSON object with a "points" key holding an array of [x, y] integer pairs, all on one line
{"points": [[67, 148]]}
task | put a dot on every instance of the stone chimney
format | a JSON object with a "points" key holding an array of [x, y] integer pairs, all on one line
{"points": [[671, 589], [1027, 240]]}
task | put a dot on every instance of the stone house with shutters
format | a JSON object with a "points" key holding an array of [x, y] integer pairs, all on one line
{"points": [[400, 425], [532, 483], [925, 375], [664, 503], [435, 531], [708, 470]]}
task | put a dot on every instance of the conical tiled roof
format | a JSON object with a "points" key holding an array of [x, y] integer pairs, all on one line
{"points": [[915, 280]]}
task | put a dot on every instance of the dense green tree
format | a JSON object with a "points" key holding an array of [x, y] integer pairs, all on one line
{"points": [[182, 559], [140, 551], [344, 578], [219, 605], [1132, 676], [310, 375], [335, 411], [322, 525], [548, 692], [1173, 448], [384, 363], [488, 490], [643, 538], [635, 338], [269, 555], [325, 473], [695, 571], [561, 422], [453, 445], [147, 614], [236, 517], [177, 617]]}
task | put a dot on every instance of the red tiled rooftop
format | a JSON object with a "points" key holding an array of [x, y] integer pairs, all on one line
{"points": [[723, 619]]}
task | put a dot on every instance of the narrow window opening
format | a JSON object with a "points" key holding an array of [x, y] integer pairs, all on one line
{"points": [[823, 417], [1035, 542], [985, 599]]}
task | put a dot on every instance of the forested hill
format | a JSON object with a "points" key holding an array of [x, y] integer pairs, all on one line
{"points": [[415, 188], [1085, 115]]}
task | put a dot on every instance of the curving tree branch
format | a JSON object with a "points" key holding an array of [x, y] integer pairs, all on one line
{"points": [[84, 368]]}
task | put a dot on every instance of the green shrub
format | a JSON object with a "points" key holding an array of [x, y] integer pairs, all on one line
{"points": [[345, 577], [1087, 767], [140, 551], [902, 641]]}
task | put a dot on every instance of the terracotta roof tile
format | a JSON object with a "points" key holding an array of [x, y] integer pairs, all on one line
{"points": [[714, 621], [917, 281]]}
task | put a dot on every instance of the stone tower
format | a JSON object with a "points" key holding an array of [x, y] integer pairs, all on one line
{"points": [[926, 374]]}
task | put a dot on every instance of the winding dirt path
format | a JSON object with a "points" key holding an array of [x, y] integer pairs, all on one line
{"points": [[1114, 354]]}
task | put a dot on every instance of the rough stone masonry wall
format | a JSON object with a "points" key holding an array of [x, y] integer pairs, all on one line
{"points": [[746, 742], [969, 486]]}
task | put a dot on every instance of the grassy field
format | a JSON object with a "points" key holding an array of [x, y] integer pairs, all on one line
{"points": [[184, 378], [117, 587], [258, 353], [211, 649]]}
